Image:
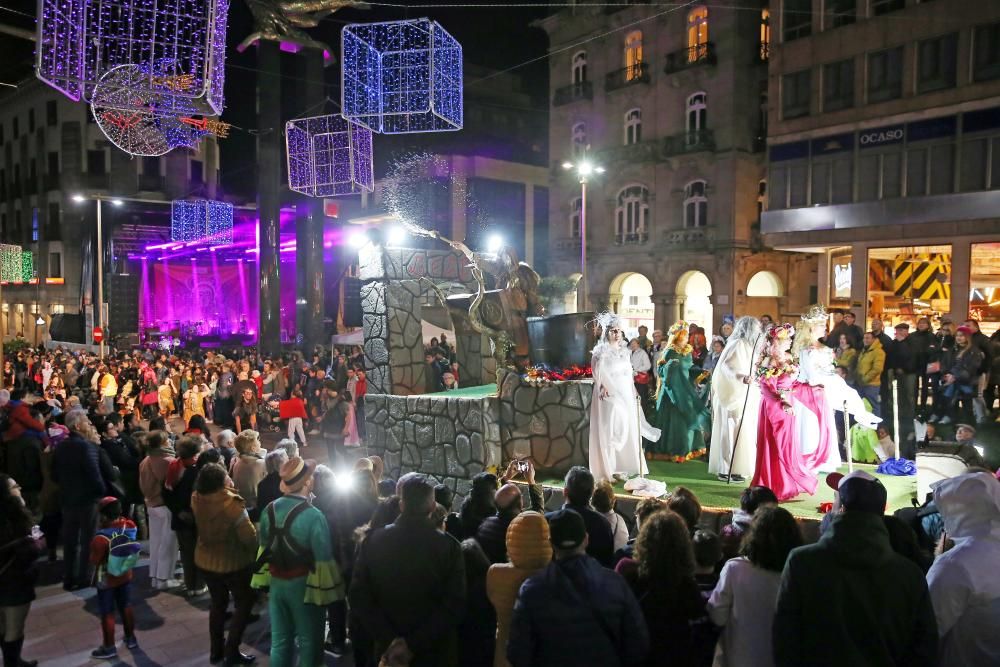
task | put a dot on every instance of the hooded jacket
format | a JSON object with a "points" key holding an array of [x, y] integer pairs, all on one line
{"points": [[227, 539], [871, 363], [963, 584], [849, 599]]}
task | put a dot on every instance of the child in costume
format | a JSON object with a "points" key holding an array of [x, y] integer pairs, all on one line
{"points": [[114, 552]]}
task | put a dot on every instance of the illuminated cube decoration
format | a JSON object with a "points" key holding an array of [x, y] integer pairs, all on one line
{"points": [[27, 266], [401, 76], [200, 220], [180, 43], [11, 263], [329, 156]]}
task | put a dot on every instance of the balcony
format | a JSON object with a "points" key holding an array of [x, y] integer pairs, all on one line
{"points": [[635, 238], [584, 90], [52, 182], [699, 54], [689, 142], [644, 151], [627, 76]]}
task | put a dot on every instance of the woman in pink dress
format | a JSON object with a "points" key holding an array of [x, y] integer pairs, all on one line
{"points": [[780, 465], [351, 436]]}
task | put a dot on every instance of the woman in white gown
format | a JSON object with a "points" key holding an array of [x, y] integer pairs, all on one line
{"points": [[617, 424], [735, 398]]}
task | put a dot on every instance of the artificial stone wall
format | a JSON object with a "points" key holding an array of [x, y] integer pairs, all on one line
{"points": [[449, 439]]}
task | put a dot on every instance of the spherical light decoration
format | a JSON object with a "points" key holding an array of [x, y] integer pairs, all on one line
{"points": [[329, 156], [201, 220], [401, 76], [81, 40], [11, 257]]}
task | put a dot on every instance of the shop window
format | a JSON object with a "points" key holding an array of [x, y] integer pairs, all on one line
{"points": [[795, 92], [936, 63], [580, 67], [905, 283], [633, 55], [885, 75], [796, 19], [838, 85], [972, 175], [695, 204], [984, 290], [633, 127], [840, 13], [697, 34], [986, 52]]}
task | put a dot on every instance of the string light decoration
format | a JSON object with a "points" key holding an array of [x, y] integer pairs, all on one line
{"points": [[329, 156], [81, 40], [401, 76], [27, 266], [201, 220], [11, 257]]}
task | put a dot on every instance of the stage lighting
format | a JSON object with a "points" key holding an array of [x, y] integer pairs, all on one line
{"points": [[117, 202], [344, 481], [495, 243], [357, 239], [396, 235], [79, 199]]}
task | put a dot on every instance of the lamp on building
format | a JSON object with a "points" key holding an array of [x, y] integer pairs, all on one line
{"points": [[39, 321], [584, 169]]}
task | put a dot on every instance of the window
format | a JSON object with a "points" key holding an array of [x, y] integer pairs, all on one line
{"points": [[795, 91], [579, 138], [34, 225], [986, 52], [17, 127], [840, 13], [695, 204], [55, 265], [796, 19], [633, 127], [197, 171], [1, 134], [880, 174], [31, 121], [52, 164], [880, 7], [575, 210], [96, 162], [633, 55], [51, 113], [697, 34], [53, 223], [973, 168], [580, 67], [761, 199], [3, 226], [3, 185], [697, 106], [885, 75], [936, 60], [632, 214], [150, 166], [765, 34], [838, 85]]}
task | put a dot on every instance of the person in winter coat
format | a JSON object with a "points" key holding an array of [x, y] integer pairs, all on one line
{"points": [[964, 589], [479, 504], [849, 599], [960, 382], [19, 417], [529, 550], [125, 456], [871, 363], [162, 540], [492, 533], [177, 491], [20, 545], [225, 554], [248, 470]]}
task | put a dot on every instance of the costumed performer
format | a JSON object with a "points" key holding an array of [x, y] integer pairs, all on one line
{"points": [[681, 413], [780, 466], [617, 424], [735, 399], [821, 391]]}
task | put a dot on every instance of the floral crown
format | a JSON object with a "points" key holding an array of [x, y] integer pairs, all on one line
{"points": [[676, 328], [780, 332], [815, 315]]}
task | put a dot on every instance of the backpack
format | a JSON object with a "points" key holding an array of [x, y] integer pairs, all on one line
{"points": [[123, 552], [919, 518], [282, 550]]}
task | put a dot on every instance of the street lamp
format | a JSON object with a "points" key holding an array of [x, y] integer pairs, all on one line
{"points": [[584, 169]]}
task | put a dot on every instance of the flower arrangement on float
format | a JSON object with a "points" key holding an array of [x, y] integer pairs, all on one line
{"points": [[543, 374]]}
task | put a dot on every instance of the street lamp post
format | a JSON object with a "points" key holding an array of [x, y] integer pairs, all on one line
{"points": [[583, 168]]}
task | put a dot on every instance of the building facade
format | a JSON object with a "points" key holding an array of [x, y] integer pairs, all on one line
{"points": [[669, 101], [51, 151], [884, 153]]}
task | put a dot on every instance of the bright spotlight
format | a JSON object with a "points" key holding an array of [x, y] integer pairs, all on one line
{"points": [[79, 199], [585, 169], [567, 165], [396, 235], [599, 170], [344, 482], [117, 202], [357, 239], [495, 243]]}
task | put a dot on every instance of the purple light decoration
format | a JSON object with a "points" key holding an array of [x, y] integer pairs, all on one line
{"points": [[201, 220], [401, 76], [81, 40], [329, 156]]}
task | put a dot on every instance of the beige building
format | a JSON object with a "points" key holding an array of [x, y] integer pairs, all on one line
{"points": [[884, 153], [669, 101]]}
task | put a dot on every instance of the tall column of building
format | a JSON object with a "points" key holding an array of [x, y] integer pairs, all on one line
{"points": [[269, 159]]}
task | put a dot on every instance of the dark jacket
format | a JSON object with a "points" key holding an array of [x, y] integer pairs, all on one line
{"points": [[268, 490], [900, 357], [125, 456], [922, 344], [23, 462], [982, 343], [80, 471], [492, 533], [18, 573], [849, 599], [420, 597], [178, 500], [575, 612], [965, 367], [601, 545]]}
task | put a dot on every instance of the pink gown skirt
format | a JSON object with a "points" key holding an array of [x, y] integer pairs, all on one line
{"points": [[780, 465]]}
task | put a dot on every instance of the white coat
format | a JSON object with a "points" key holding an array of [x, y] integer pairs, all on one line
{"points": [[729, 393]]}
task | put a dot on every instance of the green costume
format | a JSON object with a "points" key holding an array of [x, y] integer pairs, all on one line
{"points": [[299, 597], [681, 414]]}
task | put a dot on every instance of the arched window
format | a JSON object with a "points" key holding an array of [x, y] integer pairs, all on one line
{"points": [[765, 34], [575, 209], [579, 146], [697, 38], [633, 55], [697, 107], [580, 67], [695, 204], [633, 126], [632, 215]]}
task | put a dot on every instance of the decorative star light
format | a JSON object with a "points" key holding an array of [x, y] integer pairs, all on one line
{"points": [[79, 41], [201, 219], [329, 156], [11, 258], [401, 76]]}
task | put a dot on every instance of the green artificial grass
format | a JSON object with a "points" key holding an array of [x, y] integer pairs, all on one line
{"points": [[481, 391], [714, 494]]}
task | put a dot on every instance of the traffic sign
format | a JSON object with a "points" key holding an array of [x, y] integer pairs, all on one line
{"points": [[98, 334]]}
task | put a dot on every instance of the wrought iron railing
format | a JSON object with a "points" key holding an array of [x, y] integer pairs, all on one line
{"points": [[627, 76], [693, 56], [582, 90]]}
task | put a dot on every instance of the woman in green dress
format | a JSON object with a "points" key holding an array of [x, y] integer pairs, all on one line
{"points": [[681, 413]]}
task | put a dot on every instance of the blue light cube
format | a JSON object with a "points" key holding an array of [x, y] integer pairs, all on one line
{"points": [[200, 220], [401, 77], [329, 156]]}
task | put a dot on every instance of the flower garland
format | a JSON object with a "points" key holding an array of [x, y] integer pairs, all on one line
{"points": [[543, 374]]}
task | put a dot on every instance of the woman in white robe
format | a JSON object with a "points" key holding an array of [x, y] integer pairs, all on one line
{"points": [[735, 399], [617, 424]]}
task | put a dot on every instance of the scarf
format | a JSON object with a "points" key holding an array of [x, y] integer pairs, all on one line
{"points": [[176, 469]]}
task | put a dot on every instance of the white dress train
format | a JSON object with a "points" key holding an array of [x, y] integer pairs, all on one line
{"points": [[729, 394]]}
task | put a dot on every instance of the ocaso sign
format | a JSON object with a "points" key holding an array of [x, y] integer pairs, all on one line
{"points": [[881, 136]]}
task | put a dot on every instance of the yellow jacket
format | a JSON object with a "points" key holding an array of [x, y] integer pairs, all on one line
{"points": [[871, 361]]}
